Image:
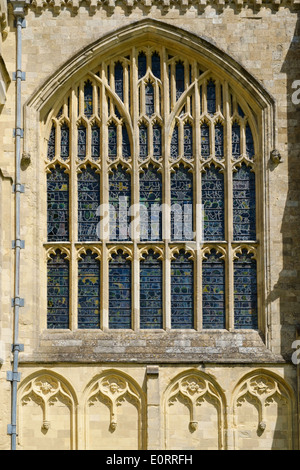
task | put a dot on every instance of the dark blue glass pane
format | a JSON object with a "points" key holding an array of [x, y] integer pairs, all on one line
{"points": [[149, 99], [245, 292], [142, 65], [143, 141], [213, 291], [219, 141], [81, 144], [157, 140], [211, 97], [188, 141], [151, 292], [95, 142], [240, 111], [88, 99], [244, 226], [236, 140], [150, 201], [179, 79], [64, 142], [125, 143], [88, 203], [205, 145], [51, 143], [249, 142], [58, 204], [119, 79], [174, 144], [119, 201], [89, 291], [182, 292], [58, 291], [112, 141], [119, 292], [156, 65], [213, 204], [182, 204]]}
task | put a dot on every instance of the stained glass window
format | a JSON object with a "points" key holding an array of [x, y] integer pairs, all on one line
{"points": [[205, 143], [150, 202], [244, 204], [125, 143], [188, 141], [58, 204], [51, 143], [213, 291], [213, 204], [95, 142], [245, 291], [88, 291], [81, 143], [219, 140], [236, 140], [240, 111], [211, 97], [142, 64], [64, 142], [179, 79], [88, 99], [182, 204], [149, 99], [157, 140], [119, 201], [174, 143], [156, 65], [119, 80], [249, 142], [58, 291], [112, 141], [119, 291], [143, 141], [151, 292], [182, 291], [88, 204]]}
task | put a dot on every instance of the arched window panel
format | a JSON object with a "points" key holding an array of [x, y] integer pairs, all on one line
{"points": [[155, 63], [236, 140], [51, 143], [174, 146], [182, 291], [150, 204], [219, 141], [119, 291], [112, 141], [88, 204], [149, 99], [240, 111], [157, 140], [119, 203], [245, 291], [95, 142], [81, 142], [142, 65], [205, 140], [211, 97], [58, 291], [57, 205], [213, 291], [188, 140], [151, 291], [88, 291], [88, 99], [244, 224], [179, 79], [249, 142], [64, 141], [213, 204], [119, 80], [126, 151], [181, 204], [143, 141]]}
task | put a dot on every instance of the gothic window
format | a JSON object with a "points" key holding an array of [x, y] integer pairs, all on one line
{"points": [[151, 176]]}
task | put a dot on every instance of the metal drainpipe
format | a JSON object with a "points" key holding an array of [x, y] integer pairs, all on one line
{"points": [[14, 376]]}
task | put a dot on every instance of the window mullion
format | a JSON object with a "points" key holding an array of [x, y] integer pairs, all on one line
{"points": [[73, 212]]}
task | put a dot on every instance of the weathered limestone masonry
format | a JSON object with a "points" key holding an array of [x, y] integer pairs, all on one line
{"points": [[209, 389]]}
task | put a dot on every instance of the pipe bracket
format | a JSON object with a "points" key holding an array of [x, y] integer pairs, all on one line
{"points": [[13, 376], [17, 302]]}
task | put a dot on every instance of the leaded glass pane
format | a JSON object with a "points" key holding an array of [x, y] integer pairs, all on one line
{"points": [[182, 204], [81, 144], [51, 143], [213, 291], [58, 291], [149, 99], [219, 140], [143, 141], [205, 144], [245, 292], [112, 141], [236, 140], [151, 299], [157, 140], [95, 142], [188, 141], [64, 142], [174, 144], [119, 80], [213, 204], [142, 64], [156, 65], [150, 202], [88, 204], [88, 99], [182, 291], [240, 111], [88, 291], [179, 79], [58, 204], [244, 204], [211, 97], [119, 292], [249, 142], [125, 143], [119, 202]]}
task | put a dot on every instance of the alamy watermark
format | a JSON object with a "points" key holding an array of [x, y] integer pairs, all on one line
{"points": [[296, 94]]}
